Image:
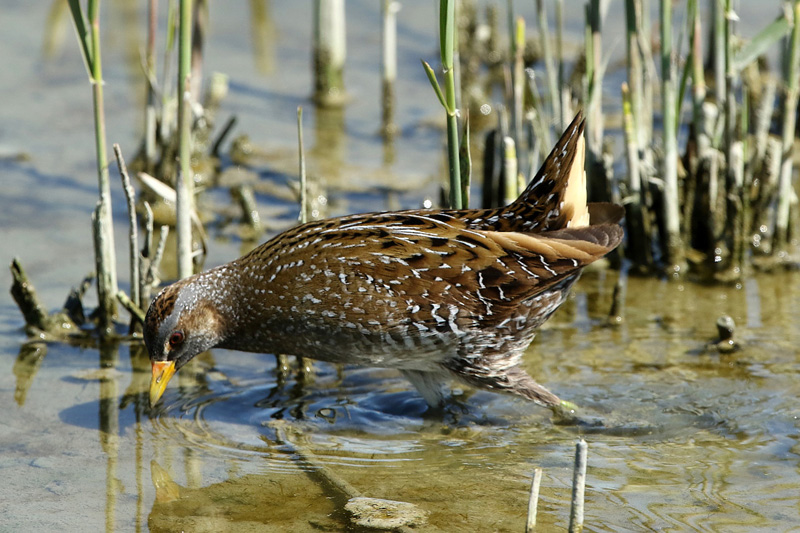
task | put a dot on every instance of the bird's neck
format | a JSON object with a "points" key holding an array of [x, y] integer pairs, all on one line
{"points": [[237, 301]]}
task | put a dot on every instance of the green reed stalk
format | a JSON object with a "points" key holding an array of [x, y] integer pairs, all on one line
{"points": [[457, 62], [674, 244], [465, 164], [105, 259], [718, 36], [539, 120], [549, 61], [517, 78], [184, 186], [447, 43], [791, 68], [635, 72], [563, 91], [150, 114]]}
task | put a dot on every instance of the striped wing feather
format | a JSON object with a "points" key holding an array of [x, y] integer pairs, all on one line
{"points": [[483, 273]]}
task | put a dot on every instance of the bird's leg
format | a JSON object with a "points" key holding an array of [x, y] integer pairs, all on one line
{"points": [[429, 384]]}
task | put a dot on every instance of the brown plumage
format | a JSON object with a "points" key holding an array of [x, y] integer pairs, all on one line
{"points": [[433, 293]]}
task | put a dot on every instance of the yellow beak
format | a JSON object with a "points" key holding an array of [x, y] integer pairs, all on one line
{"points": [[162, 373]]}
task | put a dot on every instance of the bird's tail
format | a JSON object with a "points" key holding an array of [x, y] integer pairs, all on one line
{"points": [[556, 198]]}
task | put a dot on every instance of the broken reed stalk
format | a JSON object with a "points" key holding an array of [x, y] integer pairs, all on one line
{"points": [[791, 67], [25, 296], [389, 9], [105, 260], [247, 201], [184, 183], [578, 487], [145, 256], [329, 52], [133, 230], [151, 279], [533, 501], [226, 130], [135, 311], [674, 245]]}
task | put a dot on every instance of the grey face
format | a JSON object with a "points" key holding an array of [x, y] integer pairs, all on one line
{"points": [[164, 337], [178, 327]]}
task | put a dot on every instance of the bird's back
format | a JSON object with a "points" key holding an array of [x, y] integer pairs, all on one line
{"points": [[412, 288]]}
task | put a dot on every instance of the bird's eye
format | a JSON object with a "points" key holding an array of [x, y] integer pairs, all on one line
{"points": [[176, 339]]}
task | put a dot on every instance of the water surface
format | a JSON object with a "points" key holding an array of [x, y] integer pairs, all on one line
{"points": [[687, 439]]}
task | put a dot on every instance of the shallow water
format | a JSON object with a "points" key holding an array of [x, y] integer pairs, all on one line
{"points": [[684, 439]]}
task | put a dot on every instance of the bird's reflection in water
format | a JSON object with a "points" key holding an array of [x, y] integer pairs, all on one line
{"points": [[252, 502]]}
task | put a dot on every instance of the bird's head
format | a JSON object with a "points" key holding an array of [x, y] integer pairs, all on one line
{"points": [[182, 322]]}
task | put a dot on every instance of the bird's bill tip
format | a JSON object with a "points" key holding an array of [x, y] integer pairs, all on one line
{"points": [[162, 373]]}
